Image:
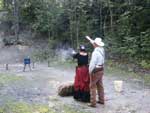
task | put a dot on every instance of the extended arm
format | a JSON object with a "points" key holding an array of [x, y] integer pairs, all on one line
{"points": [[88, 38]]}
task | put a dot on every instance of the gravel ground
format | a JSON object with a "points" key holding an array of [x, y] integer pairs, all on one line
{"points": [[40, 86]]}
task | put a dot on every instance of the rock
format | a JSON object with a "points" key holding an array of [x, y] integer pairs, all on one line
{"points": [[66, 89]]}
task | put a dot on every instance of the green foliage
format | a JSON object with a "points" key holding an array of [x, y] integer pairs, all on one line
{"points": [[130, 40], [1, 4], [116, 69], [7, 79], [123, 24], [40, 55], [23, 107], [145, 64]]}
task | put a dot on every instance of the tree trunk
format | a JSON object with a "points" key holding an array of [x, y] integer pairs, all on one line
{"points": [[129, 2], [111, 19], [101, 20], [49, 30], [4, 3], [71, 36], [16, 21], [111, 15], [77, 27], [77, 32], [88, 27], [104, 25]]}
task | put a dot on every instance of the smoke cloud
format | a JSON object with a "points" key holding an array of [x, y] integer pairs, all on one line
{"points": [[64, 51]]}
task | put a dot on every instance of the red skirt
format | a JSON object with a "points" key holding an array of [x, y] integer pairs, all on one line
{"points": [[81, 83]]}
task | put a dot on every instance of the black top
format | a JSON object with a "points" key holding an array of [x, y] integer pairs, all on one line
{"points": [[82, 59]]}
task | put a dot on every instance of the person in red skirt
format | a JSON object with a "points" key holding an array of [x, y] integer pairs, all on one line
{"points": [[82, 78]]}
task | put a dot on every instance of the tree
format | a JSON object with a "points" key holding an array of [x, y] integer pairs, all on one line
{"points": [[16, 20], [124, 23]]}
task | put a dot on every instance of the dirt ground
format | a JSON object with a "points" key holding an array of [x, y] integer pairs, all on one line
{"points": [[40, 86]]}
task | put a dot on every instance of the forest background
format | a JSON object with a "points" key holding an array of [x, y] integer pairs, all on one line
{"points": [[124, 25]]}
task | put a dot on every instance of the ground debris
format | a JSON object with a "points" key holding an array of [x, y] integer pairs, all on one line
{"points": [[126, 109]]}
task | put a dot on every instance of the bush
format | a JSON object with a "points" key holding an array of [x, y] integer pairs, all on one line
{"points": [[145, 64]]}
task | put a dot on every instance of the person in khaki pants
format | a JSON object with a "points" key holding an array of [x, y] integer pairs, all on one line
{"points": [[96, 71]]}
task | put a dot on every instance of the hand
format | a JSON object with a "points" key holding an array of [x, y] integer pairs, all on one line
{"points": [[87, 37], [91, 41]]}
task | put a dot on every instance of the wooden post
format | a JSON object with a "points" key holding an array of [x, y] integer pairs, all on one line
{"points": [[48, 63], [6, 66], [33, 65]]}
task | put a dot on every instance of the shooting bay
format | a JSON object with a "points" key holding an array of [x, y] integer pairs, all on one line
{"points": [[74, 56]]}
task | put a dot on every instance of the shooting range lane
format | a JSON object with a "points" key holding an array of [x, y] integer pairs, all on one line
{"points": [[40, 86]]}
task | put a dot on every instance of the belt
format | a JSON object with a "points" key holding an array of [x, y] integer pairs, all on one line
{"points": [[82, 65], [95, 70], [99, 66]]}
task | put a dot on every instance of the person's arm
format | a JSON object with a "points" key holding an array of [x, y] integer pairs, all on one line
{"points": [[93, 62], [88, 38], [75, 56]]}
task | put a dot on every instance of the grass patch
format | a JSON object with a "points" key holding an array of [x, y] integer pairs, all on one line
{"points": [[7, 79], [69, 109], [22, 107], [116, 71], [147, 79]]}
